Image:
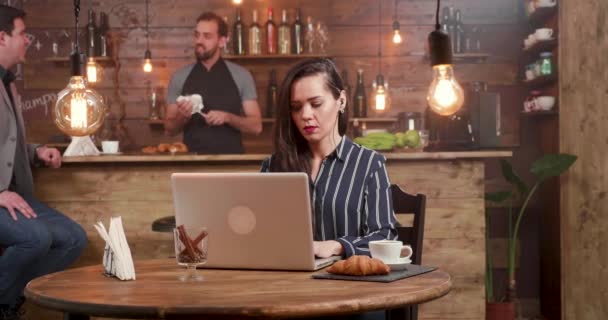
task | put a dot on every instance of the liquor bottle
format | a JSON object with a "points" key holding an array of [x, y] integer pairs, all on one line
{"points": [[310, 35], [347, 87], [452, 29], [237, 35], [445, 19], [271, 102], [459, 43], [255, 37], [228, 46], [284, 34], [271, 34], [92, 36], [104, 29], [297, 35], [359, 99]]}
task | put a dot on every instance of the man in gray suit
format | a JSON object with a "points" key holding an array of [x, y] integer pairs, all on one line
{"points": [[35, 239]]}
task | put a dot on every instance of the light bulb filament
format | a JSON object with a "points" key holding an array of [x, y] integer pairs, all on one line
{"points": [[380, 101], [445, 94], [78, 112], [397, 37], [92, 71], [147, 65]]}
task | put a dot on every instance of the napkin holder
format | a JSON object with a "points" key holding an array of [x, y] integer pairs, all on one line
{"points": [[81, 146], [117, 259]]}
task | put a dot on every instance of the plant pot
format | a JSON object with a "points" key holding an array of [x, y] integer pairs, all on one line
{"points": [[500, 310]]}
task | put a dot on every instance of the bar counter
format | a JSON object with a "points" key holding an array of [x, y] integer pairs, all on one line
{"points": [[137, 187]]}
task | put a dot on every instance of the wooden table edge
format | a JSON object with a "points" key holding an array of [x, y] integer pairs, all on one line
{"points": [[227, 312]]}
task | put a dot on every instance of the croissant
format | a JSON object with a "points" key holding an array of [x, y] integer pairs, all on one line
{"points": [[149, 150], [359, 266], [180, 147], [164, 147]]}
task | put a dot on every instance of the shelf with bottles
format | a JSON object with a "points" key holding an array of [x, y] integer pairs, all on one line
{"points": [[534, 50], [374, 119], [273, 56], [104, 61], [541, 81], [276, 40], [470, 57], [539, 113]]}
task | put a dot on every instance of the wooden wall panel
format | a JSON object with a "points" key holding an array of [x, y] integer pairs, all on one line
{"points": [[183, 13], [583, 94], [171, 23]]}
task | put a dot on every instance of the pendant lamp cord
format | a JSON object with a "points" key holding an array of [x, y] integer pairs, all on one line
{"points": [[76, 14], [437, 25], [147, 31], [395, 15], [379, 37]]}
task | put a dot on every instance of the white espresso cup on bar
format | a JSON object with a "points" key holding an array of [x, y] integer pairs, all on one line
{"points": [[543, 34], [545, 3], [109, 146], [390, 251]]}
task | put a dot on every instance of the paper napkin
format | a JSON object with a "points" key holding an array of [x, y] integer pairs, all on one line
{"points": [[117, 260]]}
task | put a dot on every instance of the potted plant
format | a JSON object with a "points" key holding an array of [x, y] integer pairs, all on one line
{"points": [[551, 165]]}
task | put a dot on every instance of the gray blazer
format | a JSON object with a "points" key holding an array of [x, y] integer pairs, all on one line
{"points": [[9, 120]]}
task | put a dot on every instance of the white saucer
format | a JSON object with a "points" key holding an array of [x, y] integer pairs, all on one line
{"points": [[401, 265], [110, 153], [545, 40]]}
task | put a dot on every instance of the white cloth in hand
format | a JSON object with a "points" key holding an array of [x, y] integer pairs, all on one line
{"points": [[196, 100]]}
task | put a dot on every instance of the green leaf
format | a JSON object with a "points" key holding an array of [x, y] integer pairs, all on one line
{"points": [[552, 165], [498, 196], [509, 174]]}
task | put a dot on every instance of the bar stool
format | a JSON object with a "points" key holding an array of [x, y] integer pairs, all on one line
{"points": [[164, 224]]}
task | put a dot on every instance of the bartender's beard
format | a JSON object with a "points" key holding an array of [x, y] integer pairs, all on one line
{"points": [[206, 54]]}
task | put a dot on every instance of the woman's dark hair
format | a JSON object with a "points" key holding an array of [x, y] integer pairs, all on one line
{"points": [[7, 18], [222, 27], [291, 151]]}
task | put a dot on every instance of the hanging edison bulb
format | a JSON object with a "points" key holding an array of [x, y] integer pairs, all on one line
{"points": [[79, 111], [396, 33], [93, 71], [445, 95], [147, 61], [380, 99], [237, 2]]}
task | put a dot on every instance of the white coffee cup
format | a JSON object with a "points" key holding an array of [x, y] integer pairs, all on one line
{"points": [[390, 251], [530, 75], [546, 102], [109, 146], [543, 33], [531, 7], [545, 3]]}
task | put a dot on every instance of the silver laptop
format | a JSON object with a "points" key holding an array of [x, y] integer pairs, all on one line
{"points": [[254, 220]]}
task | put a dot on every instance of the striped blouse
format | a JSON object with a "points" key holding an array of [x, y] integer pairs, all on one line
{"points": [[351, 198]]}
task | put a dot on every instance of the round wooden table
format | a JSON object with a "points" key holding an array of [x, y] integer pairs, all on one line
{"points": [[158, 293]]}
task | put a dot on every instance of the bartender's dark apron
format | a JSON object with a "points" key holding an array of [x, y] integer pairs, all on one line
{"points": [[219, 92]]}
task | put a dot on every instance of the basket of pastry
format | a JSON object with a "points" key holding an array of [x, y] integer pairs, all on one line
{"points": [[359, 266], [172, 148]]}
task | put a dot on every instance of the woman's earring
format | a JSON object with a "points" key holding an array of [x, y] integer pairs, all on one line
{"points": [[342, 110]]}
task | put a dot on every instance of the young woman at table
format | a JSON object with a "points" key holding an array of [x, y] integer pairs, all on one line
{"points": [[350, 189]]}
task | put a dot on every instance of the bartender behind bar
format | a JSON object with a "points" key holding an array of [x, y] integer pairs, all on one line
{"points": [[228, 92]]}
